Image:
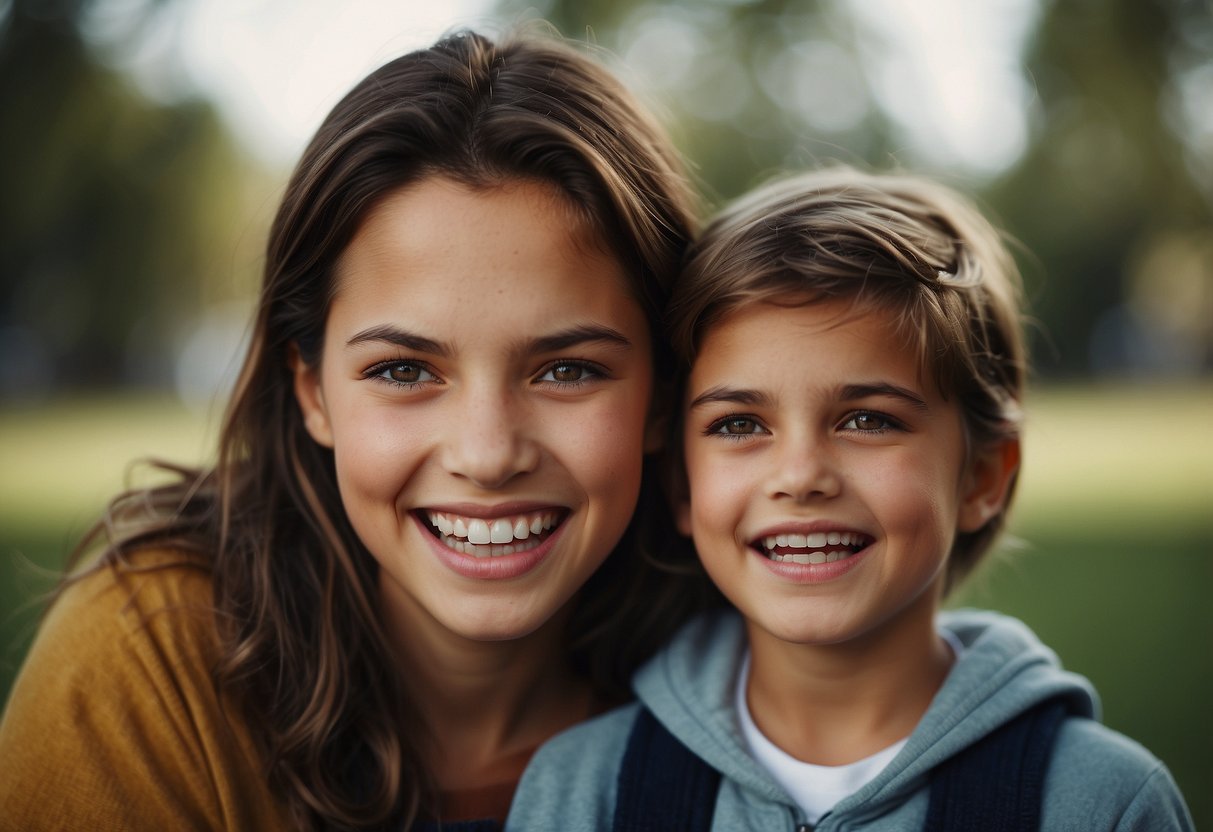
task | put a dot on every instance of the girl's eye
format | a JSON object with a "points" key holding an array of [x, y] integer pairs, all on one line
{"points": [[735, 426], [868, 422], [403, 372], [569, 372]]}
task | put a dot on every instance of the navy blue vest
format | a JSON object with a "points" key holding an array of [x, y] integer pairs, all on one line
{"points": [[994, 785]]}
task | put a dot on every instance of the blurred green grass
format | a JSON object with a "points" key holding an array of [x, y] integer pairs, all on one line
{"points": [[1114, 515]]}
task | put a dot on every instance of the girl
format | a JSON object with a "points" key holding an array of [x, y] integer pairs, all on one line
{"points": [[371, 610]]}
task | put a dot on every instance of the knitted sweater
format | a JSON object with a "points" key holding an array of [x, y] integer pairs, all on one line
{"points": [[115, 723]]}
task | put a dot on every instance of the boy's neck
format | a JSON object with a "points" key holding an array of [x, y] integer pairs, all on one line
{"points": [[836, 704]]}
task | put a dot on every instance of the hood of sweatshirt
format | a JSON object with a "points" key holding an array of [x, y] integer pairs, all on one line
{"points": [[1003, 671]]}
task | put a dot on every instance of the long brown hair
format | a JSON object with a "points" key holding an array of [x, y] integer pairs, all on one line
{"points": [[294, 589]]}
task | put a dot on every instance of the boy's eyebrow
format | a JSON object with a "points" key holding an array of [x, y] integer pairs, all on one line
{"points": [[731, 395], [862, 391], [554, 342]]}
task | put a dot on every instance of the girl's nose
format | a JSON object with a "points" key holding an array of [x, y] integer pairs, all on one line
{"points": [[806, 470], [489, 442]]}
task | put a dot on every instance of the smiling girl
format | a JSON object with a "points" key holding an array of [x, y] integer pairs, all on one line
{"points": [[416, 557]]}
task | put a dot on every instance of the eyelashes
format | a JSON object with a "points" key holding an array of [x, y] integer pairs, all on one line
{"points": [[405, 374], [562, 373], [738, 426]]}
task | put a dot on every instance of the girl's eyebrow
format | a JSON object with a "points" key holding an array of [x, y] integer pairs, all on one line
{"points": [[562, 340], [573, 336], [862, 391], [731, 395], [401, 338]]}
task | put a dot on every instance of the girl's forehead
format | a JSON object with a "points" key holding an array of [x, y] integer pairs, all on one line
{"points": [[445, 258], [439, 217]]}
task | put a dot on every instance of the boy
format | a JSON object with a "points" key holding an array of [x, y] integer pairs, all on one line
{"points": [[850, 437]]}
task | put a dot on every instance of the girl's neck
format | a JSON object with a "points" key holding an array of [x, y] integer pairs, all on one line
{"points": [[484, 703], [836, 704]]}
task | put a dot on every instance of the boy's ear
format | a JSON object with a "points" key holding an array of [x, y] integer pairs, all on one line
{"points": [[988, 481], [310, 396], [678, 494]]}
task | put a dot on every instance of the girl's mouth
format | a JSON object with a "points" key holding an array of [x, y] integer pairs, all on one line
{"points": [[817, 547], [484, 537]]}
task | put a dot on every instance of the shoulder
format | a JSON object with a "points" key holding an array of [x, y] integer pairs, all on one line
{"points": [[570, 783], [153, 612], [120, 679], [1101, 779]]}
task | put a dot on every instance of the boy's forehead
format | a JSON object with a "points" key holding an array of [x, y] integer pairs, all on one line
{"points": [[783, 331]]}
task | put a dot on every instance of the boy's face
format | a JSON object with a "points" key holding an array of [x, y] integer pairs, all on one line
{"points": [[827, 476]]}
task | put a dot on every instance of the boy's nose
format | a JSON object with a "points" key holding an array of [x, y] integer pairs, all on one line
{"points": [[488, 443], [805, 471]]}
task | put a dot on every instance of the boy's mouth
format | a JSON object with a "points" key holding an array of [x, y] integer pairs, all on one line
{"points": [[484, 537], [816, 547]]}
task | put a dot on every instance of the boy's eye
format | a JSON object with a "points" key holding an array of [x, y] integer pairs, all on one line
{"points": [[735, 426], [868, 422], [565, 372]]}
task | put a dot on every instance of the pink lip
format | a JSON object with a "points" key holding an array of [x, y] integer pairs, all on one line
{"points": [[811, 573], [500, 568], [488, 512], [807, 527]]}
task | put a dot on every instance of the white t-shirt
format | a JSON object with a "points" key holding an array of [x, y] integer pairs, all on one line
{"points": [[814, 788]]}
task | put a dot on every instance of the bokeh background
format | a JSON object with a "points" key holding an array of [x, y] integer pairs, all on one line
{"points": [[145, 143]]}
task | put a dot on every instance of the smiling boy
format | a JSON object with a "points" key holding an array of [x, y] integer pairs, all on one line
{"points": [[851, 440]]}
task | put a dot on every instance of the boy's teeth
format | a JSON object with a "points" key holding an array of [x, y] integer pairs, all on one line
{"points": [[849, 543]]}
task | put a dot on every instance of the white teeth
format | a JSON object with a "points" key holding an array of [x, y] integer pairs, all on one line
{"points": [[478, 531], [441, 522], [502, 531], [816, 540], [484, 538]]}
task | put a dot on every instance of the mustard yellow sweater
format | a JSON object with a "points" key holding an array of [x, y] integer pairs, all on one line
{"points": [[114, 722]]}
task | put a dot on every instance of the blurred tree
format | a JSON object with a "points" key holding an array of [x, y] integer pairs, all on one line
{"points": [[1117, 178], [1110, 176], [114, 208]]}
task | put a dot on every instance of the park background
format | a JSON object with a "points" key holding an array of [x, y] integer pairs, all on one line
{"points": [[145, 144]]}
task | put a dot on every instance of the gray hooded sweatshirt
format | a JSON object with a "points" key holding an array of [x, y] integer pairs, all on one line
{"points": [[1097, 779]]}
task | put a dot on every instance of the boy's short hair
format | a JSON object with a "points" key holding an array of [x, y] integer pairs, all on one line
{"points": [[892, 243]]}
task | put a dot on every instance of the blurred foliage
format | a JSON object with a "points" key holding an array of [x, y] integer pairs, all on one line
{"points": [[123, 213], [115, 219], [1111, 199]]}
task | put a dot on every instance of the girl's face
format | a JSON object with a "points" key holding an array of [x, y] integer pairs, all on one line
{"points": [[485, 386]]}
